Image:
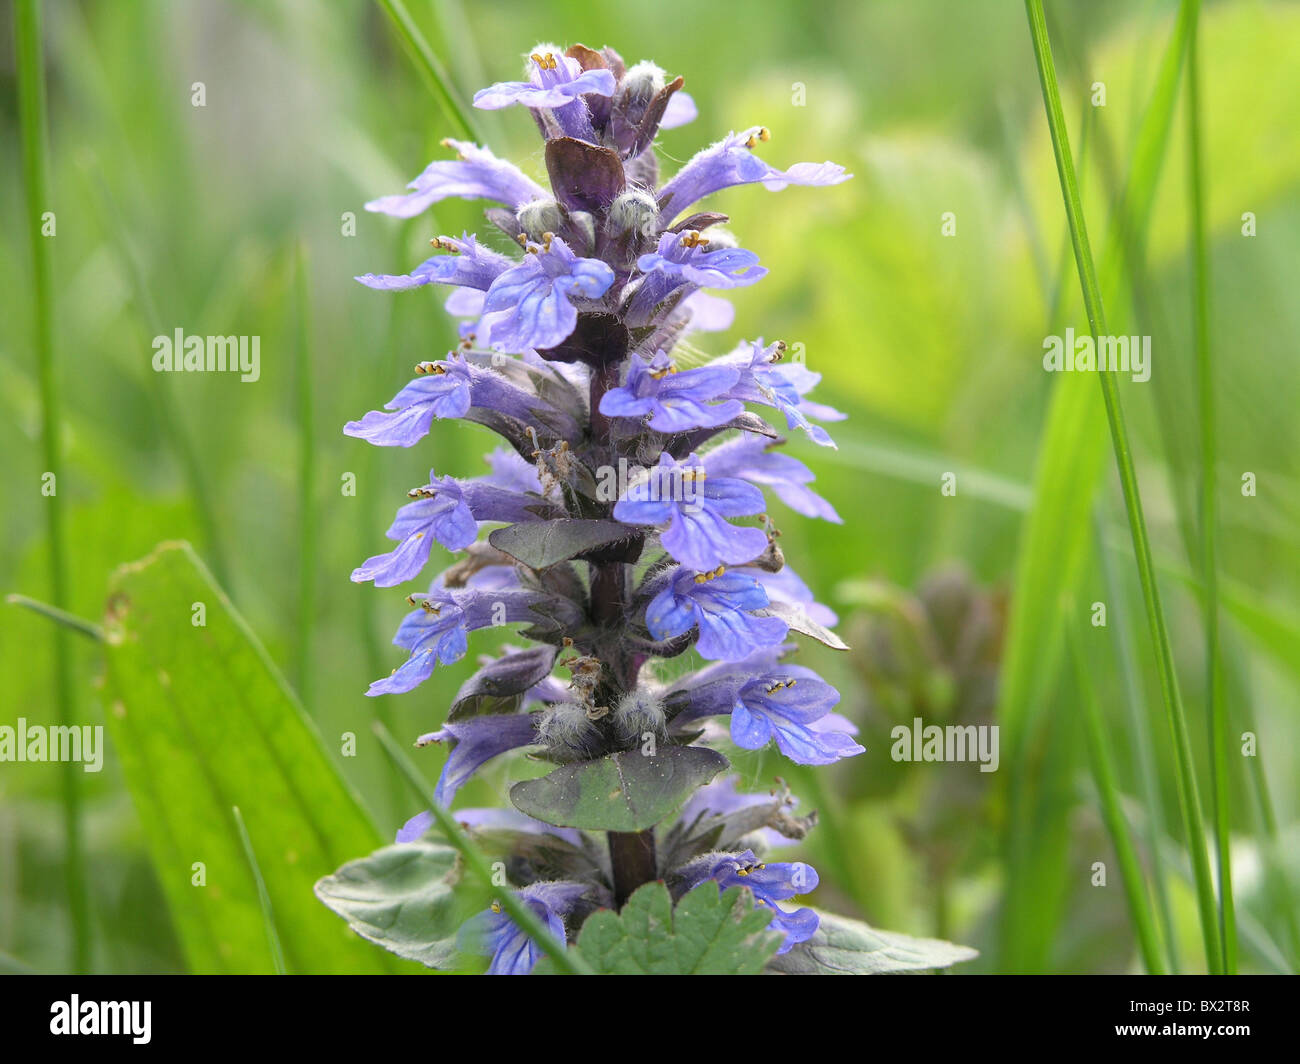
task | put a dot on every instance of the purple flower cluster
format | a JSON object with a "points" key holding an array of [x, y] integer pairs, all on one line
{"points": [[567, 353]]}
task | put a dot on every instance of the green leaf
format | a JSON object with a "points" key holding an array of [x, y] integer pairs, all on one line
{"points": [[203, 721], [842, 946], [400, 898], [539, 544], [627, 791], [708, 933]]}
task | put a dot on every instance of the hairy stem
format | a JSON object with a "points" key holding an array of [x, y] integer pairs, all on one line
{"points": [[632, 855]]}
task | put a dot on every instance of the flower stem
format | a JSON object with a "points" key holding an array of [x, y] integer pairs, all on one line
{"points": [[1184, 769], [632, 855], [32, 120]]}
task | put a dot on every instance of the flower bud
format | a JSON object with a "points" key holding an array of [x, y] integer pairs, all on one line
{"points": [[637, 713], [635, 211], [567, 733], [539, 217], [639, 86]]}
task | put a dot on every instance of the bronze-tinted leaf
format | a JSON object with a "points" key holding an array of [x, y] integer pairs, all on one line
{"points": [[584, 177]]}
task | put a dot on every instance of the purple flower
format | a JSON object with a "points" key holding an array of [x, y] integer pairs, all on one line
{"points": [[445, 389], [608, 288], [555, 84], [720, 605], [681, 109], [785, 585], [494, 934], [435, 632], [708, 313], [669, 400], [756, 460], [731, 162], [469, 265], [475, 174], [446, 510], [769, 883], [474, 743], [768, 382], [529, 305], [785, 703], [723, 797], [685, 260], [695, 508]]}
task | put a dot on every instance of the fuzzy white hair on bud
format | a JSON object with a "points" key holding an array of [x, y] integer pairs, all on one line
{"points": [[539, 217], [635, 211], [642, 82], [567, 733], [637, 713]]}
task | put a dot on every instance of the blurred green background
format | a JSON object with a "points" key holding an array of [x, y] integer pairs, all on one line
{"points": [[230, 219]]}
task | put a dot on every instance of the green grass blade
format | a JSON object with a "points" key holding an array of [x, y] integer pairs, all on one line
{"points": [[1104, 775], [69, 621], [1155, 822], [1049, 566], [28, 45], [263, 897], [430, 67], [1216, 710], [1189, 799], [571, 962], [306, 482]]}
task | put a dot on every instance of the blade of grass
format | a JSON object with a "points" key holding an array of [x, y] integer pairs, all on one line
{"points": [[1103, 773], [1216, 711], [1145, 768], [430, 67], [70, 621], [306, 482], [571, 962], [30, 61], [263, 897], [1051, 559], [1189, 799]]}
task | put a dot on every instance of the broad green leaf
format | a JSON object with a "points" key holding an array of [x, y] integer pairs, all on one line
{"points": [[202, 721], [627, 791], [842, 946], [539, 544], [400, 898], [708, 933]]}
